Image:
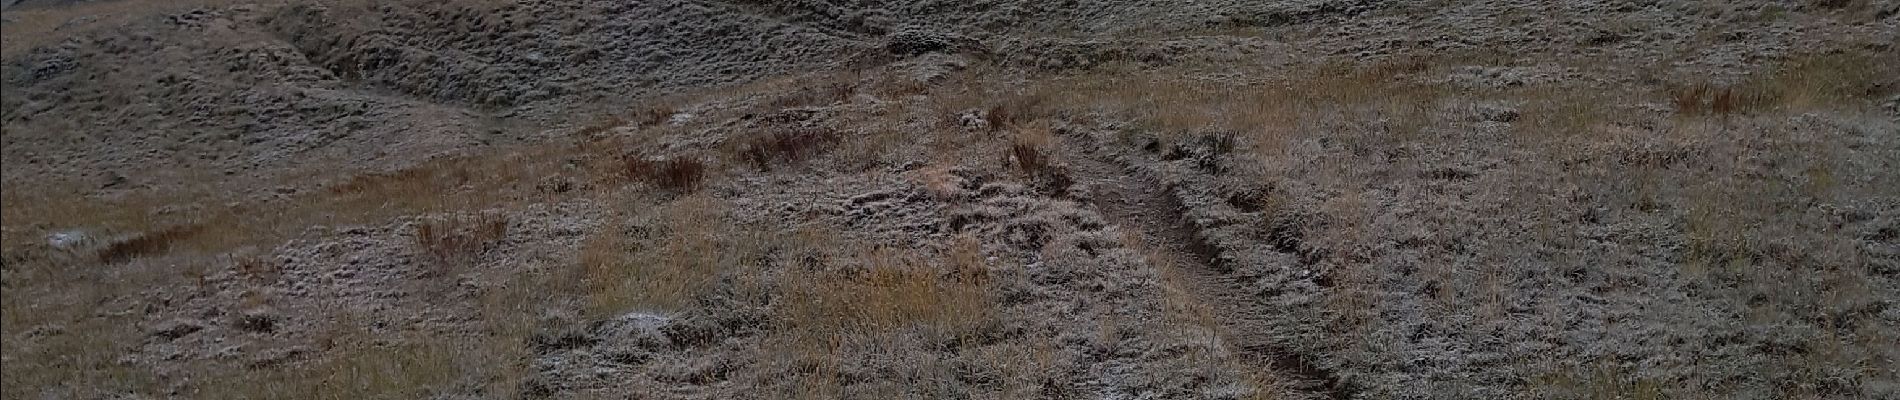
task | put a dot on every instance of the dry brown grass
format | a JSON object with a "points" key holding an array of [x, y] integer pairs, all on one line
{"points": [[55, 207], [679, 174], [1561, 114], [1801, 83], [1027, 158], [696, 248], [458, 242], [938, 181], [1688, 99], [787, 146], [147, 243], [183, 229], [892, 303], [1015, 111], [895, 291]]}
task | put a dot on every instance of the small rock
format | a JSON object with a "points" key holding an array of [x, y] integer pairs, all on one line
{"points": [[230, 352], [972, 121], [636, 329], [680, 119], [72, 240]]}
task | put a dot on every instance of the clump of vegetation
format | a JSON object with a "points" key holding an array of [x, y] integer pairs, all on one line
{"points": [[147, 243], [460, 241], [1027, 151], [680, 174], [1027, 158], [1705, 99], [1688, 99], [787, 146], [894, 291]]}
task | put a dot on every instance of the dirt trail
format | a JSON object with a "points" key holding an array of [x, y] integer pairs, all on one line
{"points": [[1145, 205]]}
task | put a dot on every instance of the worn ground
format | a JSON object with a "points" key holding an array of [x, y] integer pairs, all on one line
{"points": [[1101, 199]]}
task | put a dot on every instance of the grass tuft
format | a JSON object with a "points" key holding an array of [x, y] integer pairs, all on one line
{"points": [[1688, 99], [787, 146], [148, 243], [680, 174], [460, 241]]}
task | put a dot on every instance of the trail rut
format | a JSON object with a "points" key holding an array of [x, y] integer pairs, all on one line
{"points": [[1145, 205]]}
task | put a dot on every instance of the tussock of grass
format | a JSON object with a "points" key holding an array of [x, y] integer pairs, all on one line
{"points": [[147, 243], [1015, 111], [787, 146], [680, 174], [457, 242], [1028, 158]]}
